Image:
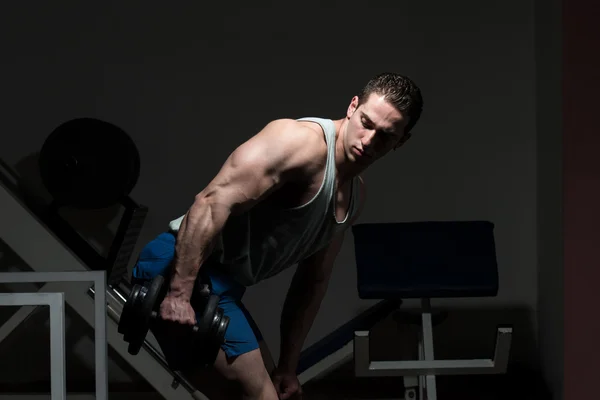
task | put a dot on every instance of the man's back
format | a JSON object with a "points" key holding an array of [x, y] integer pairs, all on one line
{"points": [[277, 233]]}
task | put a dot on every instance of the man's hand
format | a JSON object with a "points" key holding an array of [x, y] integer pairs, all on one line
{"points": [[178, 310], [287, 385]]}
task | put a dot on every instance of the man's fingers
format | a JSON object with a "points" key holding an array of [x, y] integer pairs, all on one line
{"points": [[290, 393], [277, 387], [284, 393]]}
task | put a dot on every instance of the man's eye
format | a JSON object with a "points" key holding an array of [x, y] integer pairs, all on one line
{"points": [[387, 136]]}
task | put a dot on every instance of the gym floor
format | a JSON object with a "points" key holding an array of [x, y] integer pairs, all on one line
{"points": [[465, 388], [519, 385]]}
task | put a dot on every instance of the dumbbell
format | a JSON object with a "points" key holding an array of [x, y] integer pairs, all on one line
{"points": [[142, 308]]}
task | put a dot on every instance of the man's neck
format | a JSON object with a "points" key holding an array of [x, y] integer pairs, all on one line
{"points": [[345, 170]]}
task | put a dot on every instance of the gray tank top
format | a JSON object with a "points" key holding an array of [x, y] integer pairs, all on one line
{"points": [[268, 238]]}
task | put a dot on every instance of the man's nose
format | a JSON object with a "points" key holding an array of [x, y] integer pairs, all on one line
{"points": [[368, 137]]}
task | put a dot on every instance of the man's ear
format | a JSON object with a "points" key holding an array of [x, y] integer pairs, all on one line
{"points": [[352, 107]]}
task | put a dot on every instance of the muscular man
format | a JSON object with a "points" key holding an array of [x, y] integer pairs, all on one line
{"points": [[285, 197]]}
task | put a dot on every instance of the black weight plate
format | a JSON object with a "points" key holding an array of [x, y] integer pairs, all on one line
{"points": [[126, 313], [88, 163], [134, 346], [137, 332], [147, 303], [134, 328], [222, 328], [214, 327], [205, 322], [151, 299]]}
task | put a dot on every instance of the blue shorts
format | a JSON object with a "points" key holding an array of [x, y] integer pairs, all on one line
{"points": [[242, 334]]}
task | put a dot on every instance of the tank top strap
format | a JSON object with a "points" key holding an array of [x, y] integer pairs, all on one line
{"points": [[328, 127]]}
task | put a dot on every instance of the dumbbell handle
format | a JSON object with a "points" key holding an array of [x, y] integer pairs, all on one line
{"points": [[155, 315]]}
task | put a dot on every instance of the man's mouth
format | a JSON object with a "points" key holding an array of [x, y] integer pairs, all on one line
{"points": [[361, 153]]}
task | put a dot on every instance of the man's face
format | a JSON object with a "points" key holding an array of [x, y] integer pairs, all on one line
{"points": [[373, 129]]}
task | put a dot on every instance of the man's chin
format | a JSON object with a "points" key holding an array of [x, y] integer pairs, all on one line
{"points": [[364, 159]]}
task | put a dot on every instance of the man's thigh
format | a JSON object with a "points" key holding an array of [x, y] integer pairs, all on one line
{"points": [[243, 365]]}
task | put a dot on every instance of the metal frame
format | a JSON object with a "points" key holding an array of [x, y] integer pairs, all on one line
{"points": [[327, 364], [23, 232], [56, 302], [427, 366], [99, 280]]}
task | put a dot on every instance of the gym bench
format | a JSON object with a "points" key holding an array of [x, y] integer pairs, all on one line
{"points": [[415, 260]]}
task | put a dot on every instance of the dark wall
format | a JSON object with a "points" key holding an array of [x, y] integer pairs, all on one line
{"points": [[189, 84]]}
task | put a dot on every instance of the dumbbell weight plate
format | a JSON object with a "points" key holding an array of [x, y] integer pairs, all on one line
{"points": [[214, 325], [214, 332], [221, 327], [205, 323], [212, 342], [134, 330], [207, 347], [147, 304], [125, 321], [133, 326], [126, 313]]}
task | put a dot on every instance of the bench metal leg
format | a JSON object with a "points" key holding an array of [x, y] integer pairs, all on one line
{"points": [[430, 384], [427, 367], [99, 281], [56, 302]]}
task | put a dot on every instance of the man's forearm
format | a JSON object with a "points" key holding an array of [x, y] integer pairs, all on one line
{"points": [[299, 311], [195, 241]]}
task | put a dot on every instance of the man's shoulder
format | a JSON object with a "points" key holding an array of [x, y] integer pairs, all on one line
{"points": [[295, 130], [278, 137], [285, 148], [300, 142]]}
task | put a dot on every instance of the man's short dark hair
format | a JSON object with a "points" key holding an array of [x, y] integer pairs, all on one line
{"points": [[398, 90]]}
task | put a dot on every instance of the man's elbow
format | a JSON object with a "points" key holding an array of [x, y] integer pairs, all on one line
{"points": [[314, 277], [321, 284]]}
